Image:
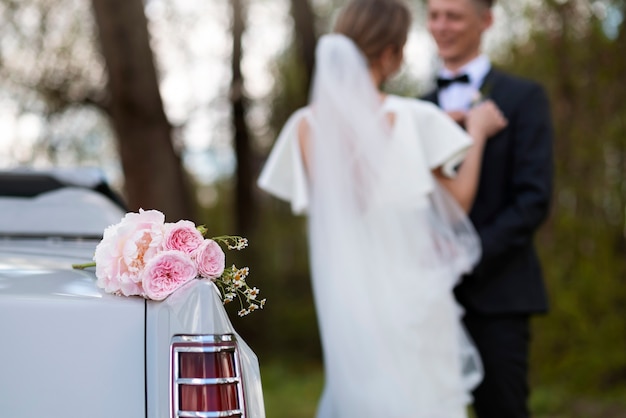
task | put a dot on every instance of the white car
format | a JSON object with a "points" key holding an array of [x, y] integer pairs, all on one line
{"points": [[70, 350]]}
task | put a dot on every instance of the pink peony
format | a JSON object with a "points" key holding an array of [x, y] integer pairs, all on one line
{"points": [[125, 249], [210, 259], [182, 236], [166, 272]]}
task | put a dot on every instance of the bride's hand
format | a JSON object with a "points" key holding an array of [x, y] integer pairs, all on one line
{"points": [[485, 120], [458, 116]]}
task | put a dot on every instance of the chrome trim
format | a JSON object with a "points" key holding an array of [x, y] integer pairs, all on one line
{"points": [[210, 338], [217, 349], [221, 414], [208, 381]]}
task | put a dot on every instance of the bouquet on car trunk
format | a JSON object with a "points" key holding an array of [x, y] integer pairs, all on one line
{"points": [[145, 256]]}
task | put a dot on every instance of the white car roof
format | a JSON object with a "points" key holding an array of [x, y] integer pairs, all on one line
{"points": [[69, 211]]}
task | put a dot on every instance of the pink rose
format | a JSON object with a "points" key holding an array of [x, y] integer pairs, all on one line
{"points": [[125, 249], [166, 272], [210, 259], [182, 236]]}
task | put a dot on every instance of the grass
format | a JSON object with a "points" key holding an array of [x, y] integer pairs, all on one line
{"points": [[292, 390], [554, 402]]}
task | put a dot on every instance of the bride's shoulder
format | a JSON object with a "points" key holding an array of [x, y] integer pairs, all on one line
{"points": [[298, 115], [414, 105], [296, 120]]}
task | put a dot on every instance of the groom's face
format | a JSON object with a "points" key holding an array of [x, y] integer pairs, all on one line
{"points": [[457, 27]]}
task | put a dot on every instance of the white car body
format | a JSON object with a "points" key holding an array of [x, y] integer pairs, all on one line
{"points": [[70, 350]]}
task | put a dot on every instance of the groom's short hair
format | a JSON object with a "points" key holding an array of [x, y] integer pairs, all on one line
{"points": [[486, 3]]}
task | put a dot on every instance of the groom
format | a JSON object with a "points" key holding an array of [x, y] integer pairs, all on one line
{"points": [[512, 201]]}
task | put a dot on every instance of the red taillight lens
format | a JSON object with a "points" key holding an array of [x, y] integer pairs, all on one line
{"points": [[206, 377], [203, 364]]}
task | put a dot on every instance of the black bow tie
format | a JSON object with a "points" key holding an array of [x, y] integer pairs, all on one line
{"points": [[442, 83]]}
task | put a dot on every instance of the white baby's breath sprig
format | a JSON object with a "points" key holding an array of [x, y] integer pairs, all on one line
{"points": [[232, 283], [232, 242]]}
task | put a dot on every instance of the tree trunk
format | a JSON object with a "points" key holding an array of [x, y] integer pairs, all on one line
{"points": [[154, 177], [244, 198], [304, 27]]}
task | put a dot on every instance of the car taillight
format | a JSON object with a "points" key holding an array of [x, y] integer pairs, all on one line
{"points": [[206, 377]]}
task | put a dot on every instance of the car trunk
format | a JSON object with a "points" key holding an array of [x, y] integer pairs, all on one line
{"points": [[67, 349]]}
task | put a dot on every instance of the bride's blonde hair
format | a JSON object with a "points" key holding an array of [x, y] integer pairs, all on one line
{"points": [[374, 25]]}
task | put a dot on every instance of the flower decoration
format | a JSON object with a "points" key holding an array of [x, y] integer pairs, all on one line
{"points": [[145, 256], [481, 95]]}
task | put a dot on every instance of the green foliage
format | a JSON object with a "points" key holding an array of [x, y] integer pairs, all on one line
{"points": [[580, 344], [278, 259], [290, 91]]}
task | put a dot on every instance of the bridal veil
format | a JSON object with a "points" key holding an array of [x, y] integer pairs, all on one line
{"points": [[387, 246]]}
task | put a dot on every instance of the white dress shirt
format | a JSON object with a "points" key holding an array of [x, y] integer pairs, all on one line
{"points": [[459, 96]]}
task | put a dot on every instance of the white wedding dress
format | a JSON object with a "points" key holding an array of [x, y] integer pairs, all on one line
{"points": [[387, 245]]}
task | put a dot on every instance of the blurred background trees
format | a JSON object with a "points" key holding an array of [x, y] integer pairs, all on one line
{"points": [[175, 102], [51, 82], [153, 173], [576, 50]]}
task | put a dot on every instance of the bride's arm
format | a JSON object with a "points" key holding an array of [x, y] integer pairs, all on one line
{"points": [[482, 122], [464, 185], [304, 139]]}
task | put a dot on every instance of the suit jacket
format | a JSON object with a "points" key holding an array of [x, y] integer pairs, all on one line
{"points": [[512, 201]]}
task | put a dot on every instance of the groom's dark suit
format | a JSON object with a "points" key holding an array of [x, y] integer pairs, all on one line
{"points": [[511, 203]]}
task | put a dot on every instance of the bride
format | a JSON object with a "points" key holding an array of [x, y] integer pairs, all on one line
{"points": [[379, 178]]}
